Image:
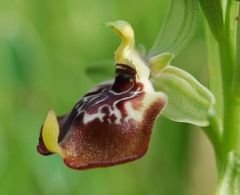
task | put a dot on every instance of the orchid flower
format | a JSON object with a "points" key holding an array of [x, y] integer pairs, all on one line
{"points": [[112, 123]]}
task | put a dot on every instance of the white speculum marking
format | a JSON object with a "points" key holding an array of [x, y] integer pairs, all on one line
{"points": [[132, 113], [100, 114], [112, 111]]}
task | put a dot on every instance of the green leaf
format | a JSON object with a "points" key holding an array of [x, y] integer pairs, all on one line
{"points": [[213, 12], [178, 28], [229, 180], [188, 100]]}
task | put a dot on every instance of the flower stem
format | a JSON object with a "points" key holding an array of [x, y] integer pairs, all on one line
{"points": [[232, 105], [224, 80]]}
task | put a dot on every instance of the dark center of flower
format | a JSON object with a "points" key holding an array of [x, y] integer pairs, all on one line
{"points": [[125, 78]]}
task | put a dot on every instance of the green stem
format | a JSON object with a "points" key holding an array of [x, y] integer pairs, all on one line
{"points": [[221, 64], [227, 59], [236, 77], [227, 64], [232, 125], [213, 132], [232, 106], [230, 26]]}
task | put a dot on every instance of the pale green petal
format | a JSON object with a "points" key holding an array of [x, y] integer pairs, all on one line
{"points": [[159, 62], [188, 100]]}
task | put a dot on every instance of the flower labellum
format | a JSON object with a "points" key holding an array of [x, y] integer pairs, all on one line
{"points": [[112, 123]]}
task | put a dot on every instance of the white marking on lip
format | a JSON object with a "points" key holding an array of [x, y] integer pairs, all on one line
{"points": [[90, 117], [109, 121], [99, 114], [97, 102], [112, 110], [148, 100], [133, 113]]}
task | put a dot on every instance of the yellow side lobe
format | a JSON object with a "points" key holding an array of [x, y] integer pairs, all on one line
{"points": [[50, 133]]}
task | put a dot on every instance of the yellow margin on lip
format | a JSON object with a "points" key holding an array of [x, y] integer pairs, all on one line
{"points": [[50, 133]]}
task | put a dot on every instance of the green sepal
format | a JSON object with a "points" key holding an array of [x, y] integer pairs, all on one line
{"points": [[178, 28], [188, 100]]}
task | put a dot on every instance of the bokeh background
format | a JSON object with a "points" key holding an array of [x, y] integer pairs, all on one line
{"points": [[45, 48]]}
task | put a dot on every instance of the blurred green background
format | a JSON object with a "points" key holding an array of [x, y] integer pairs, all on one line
{"points": [[45, 48]]}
